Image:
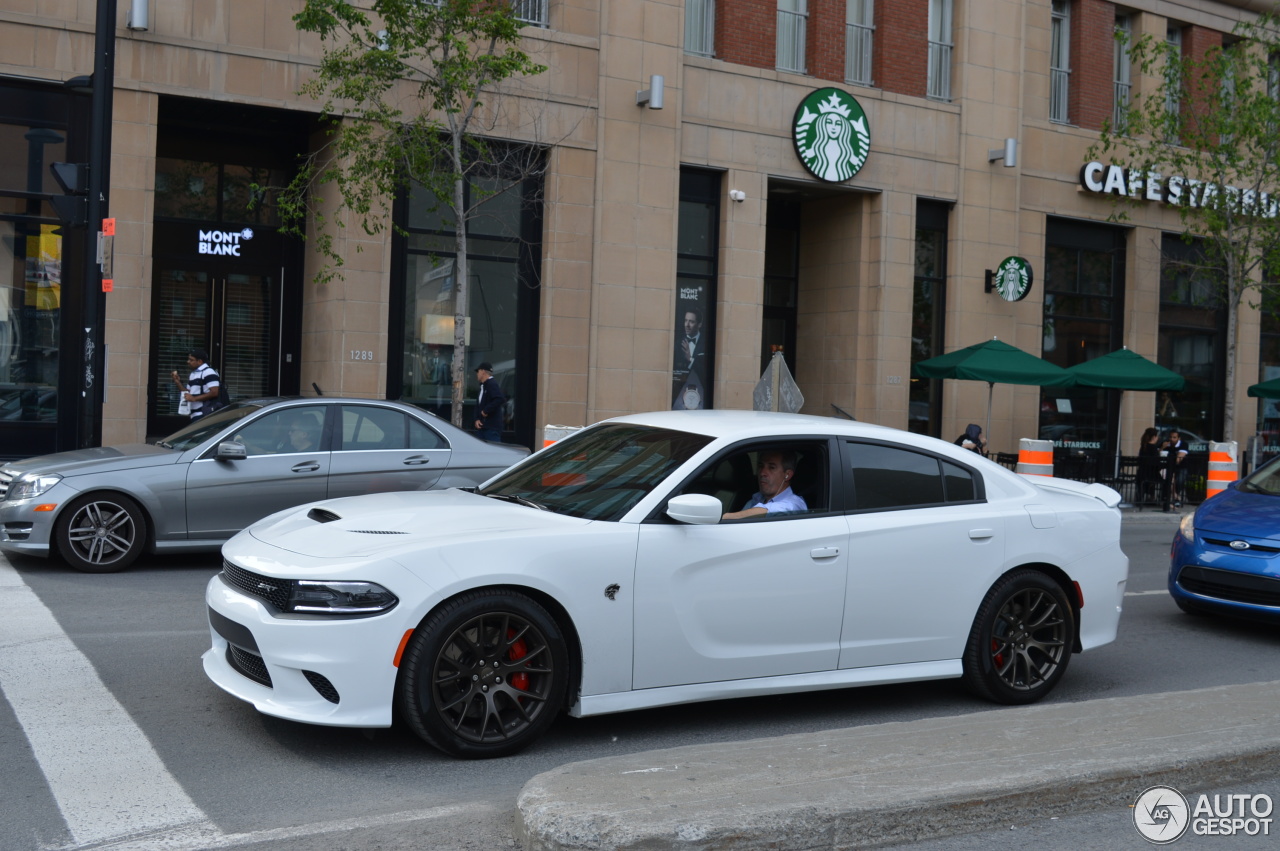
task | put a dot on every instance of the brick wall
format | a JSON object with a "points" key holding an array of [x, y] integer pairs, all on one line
{"points": [[826, 39], [1092, 94], [1197, 42], [900, 60], [747, 32]]}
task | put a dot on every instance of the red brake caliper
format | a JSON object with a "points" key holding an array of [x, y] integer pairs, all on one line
{"points": [[518, 651], [999, 657]]}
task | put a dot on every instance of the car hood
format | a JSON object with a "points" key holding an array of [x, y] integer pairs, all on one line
{"points": [[1232, 512], [376, 525], [101, 459]]}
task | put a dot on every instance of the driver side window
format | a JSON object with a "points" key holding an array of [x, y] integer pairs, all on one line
{"points": [[734, 477], [289, 431]]}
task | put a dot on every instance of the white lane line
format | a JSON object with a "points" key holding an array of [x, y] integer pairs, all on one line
{"points": [[106, 778], [199, 838]]}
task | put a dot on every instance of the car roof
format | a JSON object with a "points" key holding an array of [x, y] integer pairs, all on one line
{"points": [[744, 424]]}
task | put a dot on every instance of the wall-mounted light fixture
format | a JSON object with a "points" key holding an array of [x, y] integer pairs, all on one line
{"points": [[737, 195], [1009, 153], [652, 95], [139, 15]]}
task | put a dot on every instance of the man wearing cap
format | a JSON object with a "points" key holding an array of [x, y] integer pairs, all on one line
{"points": [[491, 405], [202, 383]]}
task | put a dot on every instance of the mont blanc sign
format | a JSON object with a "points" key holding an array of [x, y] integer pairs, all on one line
{"points": [[1175, 190], [831, 135]]}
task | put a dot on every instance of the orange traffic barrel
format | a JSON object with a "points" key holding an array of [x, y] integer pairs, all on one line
{"points": [[1035, 457], [1223, 467]]}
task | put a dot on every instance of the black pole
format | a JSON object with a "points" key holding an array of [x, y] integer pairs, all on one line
{"points": [[93, 376]]}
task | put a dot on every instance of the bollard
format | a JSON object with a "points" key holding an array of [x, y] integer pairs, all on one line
{"points": [[1223, 467], [1035, 457]]}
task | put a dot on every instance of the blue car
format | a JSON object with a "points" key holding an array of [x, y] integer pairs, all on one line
{"points": [[1226, 556]]}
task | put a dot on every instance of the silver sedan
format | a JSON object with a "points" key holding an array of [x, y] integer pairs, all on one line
{"points": [[100, 508]]}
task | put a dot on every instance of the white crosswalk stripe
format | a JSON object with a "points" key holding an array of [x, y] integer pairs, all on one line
{"points": [[107, 779]]}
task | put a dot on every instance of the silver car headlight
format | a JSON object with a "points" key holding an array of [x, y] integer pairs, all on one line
{"points": [[31, 485], [1187, 528], [344, 597]]}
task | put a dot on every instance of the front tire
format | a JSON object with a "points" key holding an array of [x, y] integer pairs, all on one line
{"points": [[101, 533], [1021, 639], [484, 676]]}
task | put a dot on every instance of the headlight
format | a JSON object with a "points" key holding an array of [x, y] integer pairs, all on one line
{"points": [[339, 597], [31, 485], [1187, 528]]}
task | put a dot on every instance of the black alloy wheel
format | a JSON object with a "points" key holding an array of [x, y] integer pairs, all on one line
{"points": [[1021, 639], [101, 533], [484, 675]]}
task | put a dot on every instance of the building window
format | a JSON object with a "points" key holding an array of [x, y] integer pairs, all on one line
{"points": [[1173, 77], [700, 27], [859, 29], [940, 44], [1060, 61], [1268, 369], [531, 12], [502, 297], [793, 20], [1083, 319], [1193, 323], [1123, 72], [697, 258], [928, 315]]}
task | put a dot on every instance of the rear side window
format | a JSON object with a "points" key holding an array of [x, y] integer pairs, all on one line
{"points": [[895, 477], [368, 427]]}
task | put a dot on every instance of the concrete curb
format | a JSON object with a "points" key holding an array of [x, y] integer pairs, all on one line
{"points": [[906, 781]]}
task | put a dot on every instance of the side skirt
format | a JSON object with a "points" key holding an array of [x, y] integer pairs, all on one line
{"points": [[603, 704]]}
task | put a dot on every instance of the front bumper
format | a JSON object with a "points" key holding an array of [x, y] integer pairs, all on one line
{"points": [[318, 670], [24, 530], [1209, 574]]}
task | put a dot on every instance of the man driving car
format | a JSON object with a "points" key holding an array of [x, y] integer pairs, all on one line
{"points": [[777, 469]]}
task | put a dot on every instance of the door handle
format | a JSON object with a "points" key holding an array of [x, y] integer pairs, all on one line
{"points": [[982, 534], [415, 460], [305, 467], [824, 552]]}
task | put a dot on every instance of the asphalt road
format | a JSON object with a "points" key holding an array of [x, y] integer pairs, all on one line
{"points": [[251, 780]]}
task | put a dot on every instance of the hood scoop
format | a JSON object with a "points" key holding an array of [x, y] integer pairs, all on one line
{"points": [[375, 531], [322, 515]]}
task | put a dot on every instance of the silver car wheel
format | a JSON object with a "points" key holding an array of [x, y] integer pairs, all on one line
{"points": [[101, 533]]}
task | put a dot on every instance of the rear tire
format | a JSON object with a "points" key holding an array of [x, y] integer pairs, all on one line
{"points": [[484, 676], [1021, 640], [101, 533]]}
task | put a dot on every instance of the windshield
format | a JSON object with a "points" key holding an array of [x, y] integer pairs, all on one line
{"points": [[198, 432], [1266, 479], [600, 473]]}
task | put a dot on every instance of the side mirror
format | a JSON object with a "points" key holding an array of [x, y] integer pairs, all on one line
{"points": [[229, 450], [695, 508]]}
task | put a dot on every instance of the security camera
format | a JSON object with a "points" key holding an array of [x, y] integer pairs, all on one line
{"points": [[737, 195]]}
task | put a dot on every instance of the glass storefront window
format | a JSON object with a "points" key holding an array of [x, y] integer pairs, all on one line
{"points": [[30, 315], [1192, 342], [928, 305], [697, 251], [1269, 368], [1083, 298]]}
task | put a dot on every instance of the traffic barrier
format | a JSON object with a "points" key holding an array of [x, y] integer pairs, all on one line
{"points": [[1035, 457], [1224, 468], [552, 433]]}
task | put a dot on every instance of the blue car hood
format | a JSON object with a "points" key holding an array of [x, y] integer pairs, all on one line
{"points": [[1253, 515]]}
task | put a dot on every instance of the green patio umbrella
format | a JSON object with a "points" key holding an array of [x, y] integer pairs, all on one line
{"points": [[1266, 389], [1125, 370], [994, 362]]}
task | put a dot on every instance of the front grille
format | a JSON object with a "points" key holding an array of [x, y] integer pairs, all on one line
{"points": [[321, 684], [249, 664], [1253, 548], [274, 591], [6, 476], [17, 531], [1231, 586]]}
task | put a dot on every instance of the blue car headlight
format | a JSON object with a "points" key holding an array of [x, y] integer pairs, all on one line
{"points": [[1187, 528], [31, 485], [339, 597]]}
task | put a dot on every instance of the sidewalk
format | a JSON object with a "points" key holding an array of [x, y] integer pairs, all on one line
{"points": [[905, 781]]}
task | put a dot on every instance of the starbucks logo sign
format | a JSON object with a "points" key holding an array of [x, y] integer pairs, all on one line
{"points": [[831, 135], [1013, 278]]}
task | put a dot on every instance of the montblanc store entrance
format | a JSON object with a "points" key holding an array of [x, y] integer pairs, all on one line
{"points": [[222, 291]]}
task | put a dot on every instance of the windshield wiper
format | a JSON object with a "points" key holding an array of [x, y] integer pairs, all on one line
{"points": [[164, 444], [519, 500]]}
